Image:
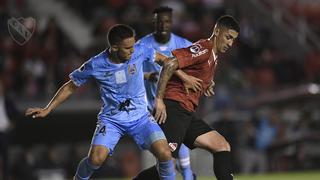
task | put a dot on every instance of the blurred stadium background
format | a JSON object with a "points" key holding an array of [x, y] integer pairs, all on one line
{"points": [[267, 93]]}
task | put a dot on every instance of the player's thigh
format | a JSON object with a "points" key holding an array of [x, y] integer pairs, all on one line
{"points": [[146, 131], [176, 125], [107, 134], [196, 129], [212, 141]]}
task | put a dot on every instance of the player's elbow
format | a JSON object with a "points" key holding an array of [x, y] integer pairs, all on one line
{"points": [[171, 66], [69, 87]]}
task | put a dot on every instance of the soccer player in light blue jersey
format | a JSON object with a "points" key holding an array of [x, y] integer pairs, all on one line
{"points": [[119, 74], [164, 41]]}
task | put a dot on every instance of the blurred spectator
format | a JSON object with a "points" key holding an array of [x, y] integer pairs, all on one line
{"points": [[130, 163], [23, 166], [8, 114], [312, 66], [261, 134]]}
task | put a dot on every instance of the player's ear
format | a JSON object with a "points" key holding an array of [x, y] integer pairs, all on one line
{"points": [[114, 48], [216, 30], [154, 20]]}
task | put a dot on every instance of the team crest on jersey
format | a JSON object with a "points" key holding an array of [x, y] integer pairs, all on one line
{"points": [[195, 48], [132, 69], [173, 146]]}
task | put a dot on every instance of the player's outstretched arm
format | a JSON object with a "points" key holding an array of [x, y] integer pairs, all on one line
{"points": [[189, 82], [168, 69], [62, 94]]}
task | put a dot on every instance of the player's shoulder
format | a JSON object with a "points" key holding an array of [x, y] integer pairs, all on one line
{"points": [[140, 52], [200, 48], [97, 59], [204, 42], [200, 45], [146, 39], [138, 47], [142, 47], [177, 37], [180, 39]]}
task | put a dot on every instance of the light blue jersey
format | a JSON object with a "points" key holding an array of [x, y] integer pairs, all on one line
{"points": [[121, 85], [150, 66], [122, 91]]}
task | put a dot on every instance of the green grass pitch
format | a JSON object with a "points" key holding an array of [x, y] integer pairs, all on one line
{"points": [[314, 175]]}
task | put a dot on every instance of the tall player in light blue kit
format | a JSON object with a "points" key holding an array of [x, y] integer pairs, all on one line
{"points": [[164, 41], [118, 72]]}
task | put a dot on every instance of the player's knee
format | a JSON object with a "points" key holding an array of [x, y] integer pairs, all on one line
{"points": [[97, 155], [164, 154], [222, 145], [225, 146], [96, 160]]}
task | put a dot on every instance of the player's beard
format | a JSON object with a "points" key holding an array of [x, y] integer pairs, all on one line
{"points": [[163, 36], [123, 57]]}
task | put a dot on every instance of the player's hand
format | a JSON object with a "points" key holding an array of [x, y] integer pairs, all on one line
{"points": [[152, 76], [37, 112], [209, 91], [160, 111], [193, 83]]}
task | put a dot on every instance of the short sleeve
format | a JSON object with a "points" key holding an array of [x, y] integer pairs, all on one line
{"points": [[82, 74], [191, 55]]}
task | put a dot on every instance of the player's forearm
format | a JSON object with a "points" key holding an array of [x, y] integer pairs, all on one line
{"points": [[62, 94], [168, 69], [182, 75]]}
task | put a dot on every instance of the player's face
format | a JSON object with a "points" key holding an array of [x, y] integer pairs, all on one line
{"points": [[163, 23], [125, 49], [225, 39]]}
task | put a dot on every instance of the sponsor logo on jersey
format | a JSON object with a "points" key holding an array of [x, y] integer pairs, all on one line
{"points": [[173, 146], [200, 53], [195, 48]]}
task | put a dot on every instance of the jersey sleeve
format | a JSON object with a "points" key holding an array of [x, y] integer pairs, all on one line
{"points": [[194, 54], [82, 74]]}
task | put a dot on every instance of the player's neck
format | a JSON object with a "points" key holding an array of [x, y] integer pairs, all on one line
{"points": [[213, 39], [114, 58], [161, 39]]}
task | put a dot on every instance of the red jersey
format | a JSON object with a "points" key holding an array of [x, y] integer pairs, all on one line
{"points": [[197, 60]]}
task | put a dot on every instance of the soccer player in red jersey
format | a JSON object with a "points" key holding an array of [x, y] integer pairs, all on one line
{"points": [[174, 107]]}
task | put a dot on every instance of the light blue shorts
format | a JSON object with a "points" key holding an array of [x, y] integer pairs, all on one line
{"points": [[145, 131]]}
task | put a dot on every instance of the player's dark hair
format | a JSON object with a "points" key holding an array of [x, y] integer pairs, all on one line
{"points": [[228, 22], [162, 9], [119, 32]]}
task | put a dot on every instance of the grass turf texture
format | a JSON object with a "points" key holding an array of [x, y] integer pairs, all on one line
{"points": [[314, 175]]}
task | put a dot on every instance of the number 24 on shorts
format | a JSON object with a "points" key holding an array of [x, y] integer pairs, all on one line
{"points": [[100, 130]]}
